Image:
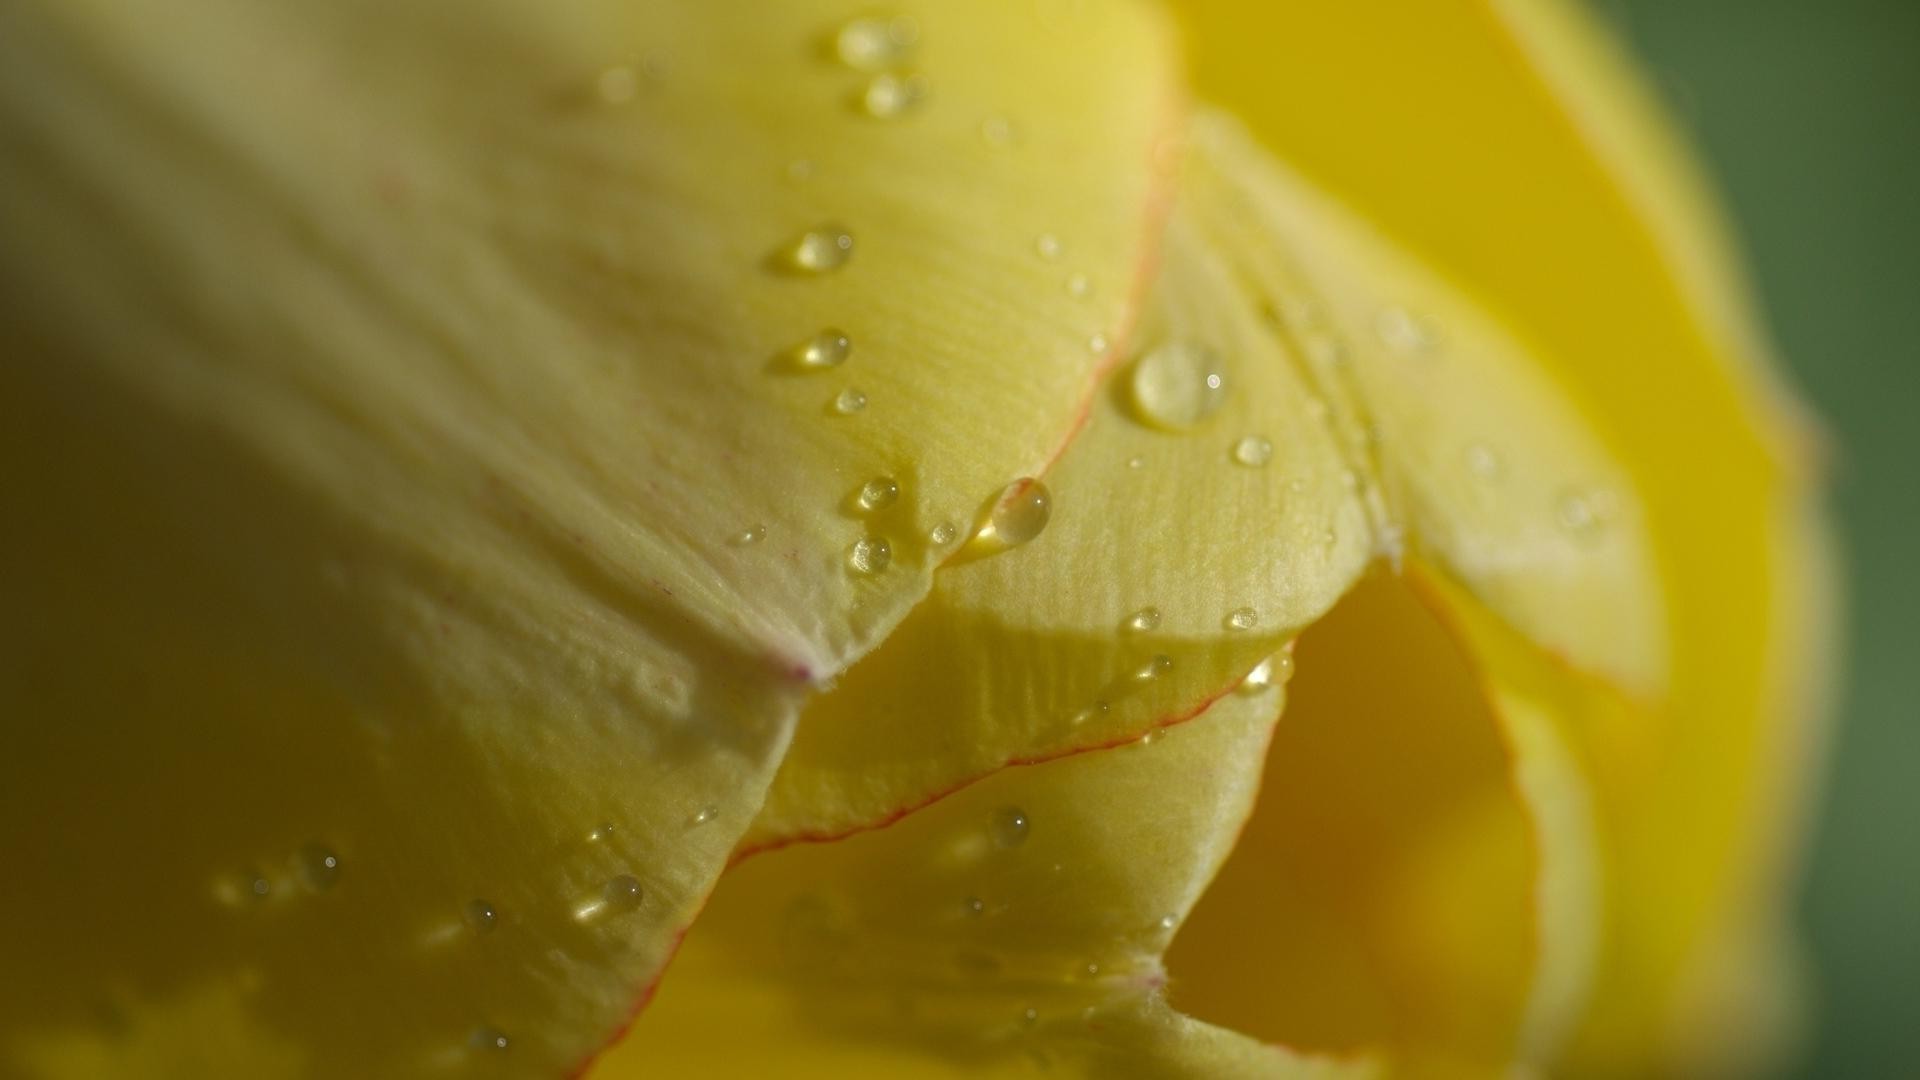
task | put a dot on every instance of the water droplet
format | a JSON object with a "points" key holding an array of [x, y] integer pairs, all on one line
{"points": [[819, 250], [1242, 618], [874, 42], [1092, 969], [489, 1039], [1047, 246], [1009, 827], [889, 96], [319, 867], [703, 815], [1177, 385], [1019, 513], [601, 833], [1096, 711], [975, 906], [1169, 921], [480, 916], [799, 170], [1579, 514], [944, 533], [617, 85], [869, 555], [257, 885], [1097, 344], [998, 131], [1078, 285], [1144, 620], [1403, 331], [826, 349], [1153, 668], [1030, 1015], [1274, 671], [1253, 451], [1483, 461], [1136, 462], [849, 401], [751, 535], [622, 893], [877, 494]]}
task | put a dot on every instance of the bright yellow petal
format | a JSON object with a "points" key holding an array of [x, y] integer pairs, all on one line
{"points": [[1509, 145], [388, 387]]}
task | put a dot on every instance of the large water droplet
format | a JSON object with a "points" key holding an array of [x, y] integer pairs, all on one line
{"points": [[480, 916], [875, 42], [877, 494], [849, 401], [1144, 620], [1009, 827], [1242, 618], [1019, 514], [319, 867], [944, 533], [1253, 451], [869, 555], [819, 250], [889, 96], [828, 348], [1177, 385]]}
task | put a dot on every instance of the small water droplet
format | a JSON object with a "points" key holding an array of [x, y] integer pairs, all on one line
{"points": [[874, 42], [1019, 513], [1047, 246], [1078, 285], [849, 401], [799, 170], [617, 85], [1096, 711], [1169, 921], [1403, 331], [877, 494], [889, 96], [1092, 969], [257, 885], [820, 250], [1242, 618], [944, 533], [826, 349], [1177, 385], [1097, 344], [975, 906], [489, 1040], [753, 534], [1144, 620], [480, 916], [998, 131], [1030, 1016], [601, 833], [869, 555], [703, 815], [1483, 461], [1153, 668], [1009, 827], [1136, 462], [319, 867], [1579, 514], [622, 893], [1253, 451]]}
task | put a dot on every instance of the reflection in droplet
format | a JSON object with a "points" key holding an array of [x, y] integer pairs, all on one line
{"points": [[944, 533], [1078, 285], [877, 494], [819, 250], [828, 348], [1144, 620], [1404, 331], [869, 555], [1253, 451], [480, 916], [1019, 514], [1242, 618], [1274, 671], [1177, 385], [849, 401]]}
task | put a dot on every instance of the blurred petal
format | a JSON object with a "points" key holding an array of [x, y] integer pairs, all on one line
{"points": [[364, 366]]}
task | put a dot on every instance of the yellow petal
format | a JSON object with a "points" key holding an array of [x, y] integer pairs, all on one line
{"points": [[1013, 926], [363, 442], [1508, 144]]}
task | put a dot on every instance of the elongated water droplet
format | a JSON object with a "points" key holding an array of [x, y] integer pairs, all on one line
{"points": [[489, 1040], [704, 815], [1019, 514], [869, 555], [819, 250], [849, 401], [889, 96], [480, 916], [319, 867], [1274, 671], [1153, 668], [1144, 620], [601, 833], [1242, 618], [826, 349], [874, 42], [877, 494], [753, 534], [1177, 385], [1009, 827], [1253, 451], [1096, 711]]}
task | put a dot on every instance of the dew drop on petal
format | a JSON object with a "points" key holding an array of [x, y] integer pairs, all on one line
{"points": [[1253, 451], [1047, 246], [869, 555], [877, 494], [480, 916], [820, 250], [1579, 514], [703, 815], [998, 131], [748, 536], [1009, 827], [1177, 385], [489, 1040], [1153, 668], [973, 905], [1483, 461], [826, 349], [889, 96], [1169, 921], [1403, 331], [1019, 513], [1078, 285], [319, 867], [622, 893], [874, 42], [944, 533], [1242, 618], [849, 401], [601, 833], [1146, 619]]}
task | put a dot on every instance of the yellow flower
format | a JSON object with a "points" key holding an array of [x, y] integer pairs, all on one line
{"points": [[481, 470]]}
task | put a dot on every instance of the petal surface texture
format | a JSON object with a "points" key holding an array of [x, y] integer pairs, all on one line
{"points": [[433, 437]]}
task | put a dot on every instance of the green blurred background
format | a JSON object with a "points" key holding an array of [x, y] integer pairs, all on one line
{"points": [[1807, 113]]}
